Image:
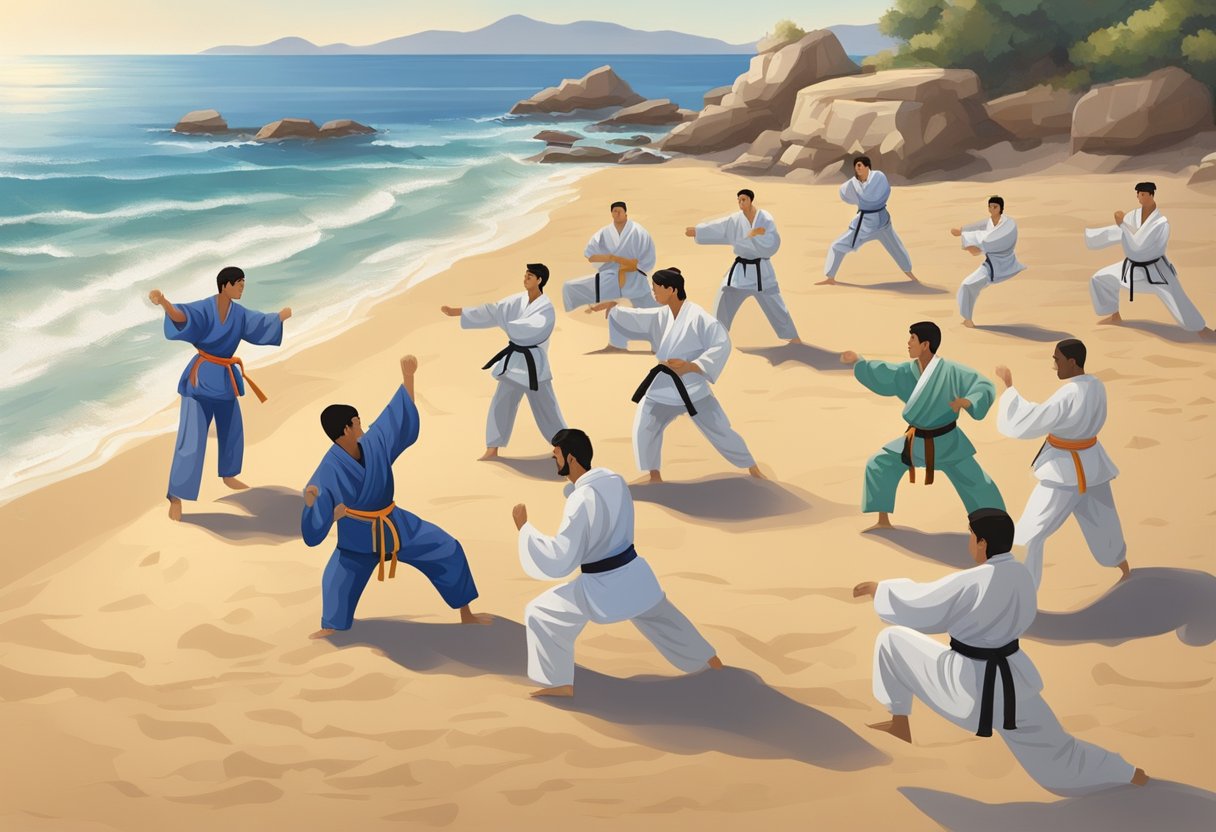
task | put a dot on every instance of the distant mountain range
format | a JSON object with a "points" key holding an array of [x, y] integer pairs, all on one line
{"points": [[520, 35]]}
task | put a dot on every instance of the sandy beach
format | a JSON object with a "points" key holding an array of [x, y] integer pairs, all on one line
{"points": [[158, 676]]}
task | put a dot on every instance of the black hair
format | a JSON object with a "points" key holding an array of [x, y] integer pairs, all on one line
{"points": [[542, 273], [1074, 349], [619, 204], [994, 526], [573, 442], [1149, 188], [998, 201], [865, 160], [670, 278], [927, 331], [227, 275], [336, 418], [749, 193]]}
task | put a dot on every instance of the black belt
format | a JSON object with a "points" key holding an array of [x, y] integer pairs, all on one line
{"points": [[927, 434], [609, 563], [618, 277], [680, 388], [861, 215], [991, 270], [1129, 274], [505, 354], [996, 658], [756, 262]]}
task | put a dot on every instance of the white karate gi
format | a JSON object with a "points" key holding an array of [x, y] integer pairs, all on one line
{"points": [[1000, 262], [987, 606], [632, 242], [694, 336], [597, 524], [1076, 411], [528, 325], [749, 280], [869, 196], [1142, 243]]}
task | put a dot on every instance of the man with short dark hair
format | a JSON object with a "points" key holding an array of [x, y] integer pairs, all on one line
{"points": [[1072, 467], [869, 190], [994, 238], [353, 487], [752, 234], [934, 391], [522, 367], [1143, 233], [615, 584], [213, 382], [985, 610]]}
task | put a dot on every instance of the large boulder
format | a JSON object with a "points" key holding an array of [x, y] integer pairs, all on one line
{"points": [[907, 121], [1140, 114], [1035, 113], [344, 127], [599, 155], [651, 111], [1206, 172], [289, 128], [556, 138], [760, 155], [716, 95], [639, 156], [763, 97], [633, 141], [201, 121], [598, 89]]}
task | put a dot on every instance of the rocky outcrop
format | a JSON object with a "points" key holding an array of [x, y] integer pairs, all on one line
{"points": [[907, 121], [289, 128], [344, 127], [716, 95], [632, 141], [1141, 114], [1206, 172], [556, 138], [598, 89], [638, 156], [652, 111], [201, 121], [760, 155], [1035, 113], [762, 98], [551, 155]]}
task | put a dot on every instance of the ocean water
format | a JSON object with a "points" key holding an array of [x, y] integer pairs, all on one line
{"points": [[100, 202]]}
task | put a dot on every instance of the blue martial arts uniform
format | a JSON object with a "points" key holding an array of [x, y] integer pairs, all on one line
{"points": [[367, 485]]}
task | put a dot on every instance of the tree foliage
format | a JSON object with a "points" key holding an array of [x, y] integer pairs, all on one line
{"points": [[1014, 44]]}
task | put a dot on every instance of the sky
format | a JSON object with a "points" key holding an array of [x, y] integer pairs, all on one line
{"points": [[110, 27]]}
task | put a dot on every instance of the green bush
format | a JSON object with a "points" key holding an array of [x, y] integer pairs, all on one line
{"points": [[787, 30]]}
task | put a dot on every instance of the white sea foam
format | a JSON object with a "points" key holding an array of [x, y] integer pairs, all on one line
{"points": [[140, 210], [35, 251]]}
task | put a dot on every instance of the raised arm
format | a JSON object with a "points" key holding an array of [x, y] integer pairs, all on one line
{"points": [[637, 324], [929, 608], [716, 232], [1146, 245], [192, 321], [1106, 235], [486, 316], [1001, 238], [264, 327], [1020, 418], [318, 514], [712, 360], [534, 326], [760, 245], [547, 558], [396, 428], [976, 389], [849, 191], [883, 377], [172, 312]]}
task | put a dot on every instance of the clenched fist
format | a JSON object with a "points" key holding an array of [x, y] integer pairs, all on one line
{"points": [[310, 495], [520, 515]]}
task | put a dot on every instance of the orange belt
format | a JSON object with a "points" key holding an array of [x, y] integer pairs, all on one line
{"points": [[380, 521], [225, 362], [1072, 446]]}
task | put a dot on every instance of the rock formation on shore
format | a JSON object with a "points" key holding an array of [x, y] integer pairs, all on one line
{"points": [[597, 90]]}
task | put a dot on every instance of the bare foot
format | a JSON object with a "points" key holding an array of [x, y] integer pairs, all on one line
{"points": [[324, 632], [651, 478], [234, 484], [1208, 334], [1139, 778], [794, 340], [612, 348], [1114, 319], [560, 690], [755, 472], [831, 281], [911, 277], [896, 726], [1126, 570], [970, 324], [884, 522], [175, 509], [491, 453], [467, 616], [715, 663]]}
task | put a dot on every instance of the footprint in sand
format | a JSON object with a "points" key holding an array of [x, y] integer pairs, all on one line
{"points": [[254, 791], [131, 602], [220, 643], [524, 797], [367, 688], [151, 560], [273, 716], [161, 729], [241, 764], [395, 777]]}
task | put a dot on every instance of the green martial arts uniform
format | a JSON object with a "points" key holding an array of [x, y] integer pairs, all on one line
{"points": [[928, 410]]}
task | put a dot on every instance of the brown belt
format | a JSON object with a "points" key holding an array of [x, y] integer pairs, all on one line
{"points": [[927, 434]]}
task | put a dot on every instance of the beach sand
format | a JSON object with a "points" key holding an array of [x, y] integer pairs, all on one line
{"points": [[158, 676]]}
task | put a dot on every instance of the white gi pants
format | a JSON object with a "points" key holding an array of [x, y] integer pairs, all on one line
{"points": [[653, 418], [730, 298], [972, 285], [500, 420], [1047, 509], [885, 235], [1105, 289]]}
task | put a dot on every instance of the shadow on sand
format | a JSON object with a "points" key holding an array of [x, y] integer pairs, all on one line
{"points": [[270, 513], [947, 548], [1028, 332], [1168, 332], [533, 467], [1152, 601], [735, 498], [903, 287], [806, 354], [1159, 804], [731, 711]]}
